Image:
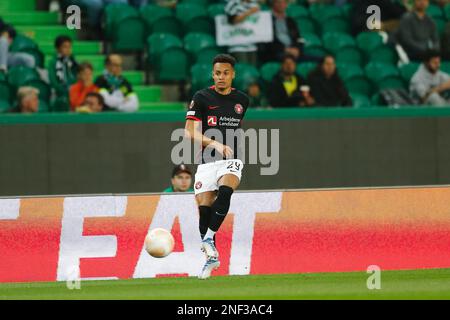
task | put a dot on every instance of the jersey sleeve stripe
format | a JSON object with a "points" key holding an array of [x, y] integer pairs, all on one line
{"points": [[193, 118]]}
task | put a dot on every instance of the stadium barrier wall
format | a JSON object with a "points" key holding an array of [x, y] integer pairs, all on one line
{"points": [[127, 153], [336, 230]]}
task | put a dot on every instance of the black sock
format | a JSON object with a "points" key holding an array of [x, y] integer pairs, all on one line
{"points": [[205, 217], [220, 207]]}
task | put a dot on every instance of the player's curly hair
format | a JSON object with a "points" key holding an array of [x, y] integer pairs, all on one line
{"points": [[224, 58]]}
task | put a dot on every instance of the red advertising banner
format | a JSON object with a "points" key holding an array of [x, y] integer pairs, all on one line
{"points": [[50, 239]]}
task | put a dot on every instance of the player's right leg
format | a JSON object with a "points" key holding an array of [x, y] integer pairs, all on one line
{"points": [[204, 201], [205, 194]]}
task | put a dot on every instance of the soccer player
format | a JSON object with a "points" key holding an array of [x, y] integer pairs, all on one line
{"points": [[222, 108]]}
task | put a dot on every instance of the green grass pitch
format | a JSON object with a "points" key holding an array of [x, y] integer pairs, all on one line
{"points": [[413, 284]]}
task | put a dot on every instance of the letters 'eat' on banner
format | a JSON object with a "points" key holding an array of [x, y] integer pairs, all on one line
{"points": [[45, 239]]}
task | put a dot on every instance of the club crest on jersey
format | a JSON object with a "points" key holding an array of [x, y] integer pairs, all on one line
{"points": [[198, 185], [212, 121], [238, 108]]}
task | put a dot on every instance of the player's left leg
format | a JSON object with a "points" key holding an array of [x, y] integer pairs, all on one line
{"points": [[219, 209]]}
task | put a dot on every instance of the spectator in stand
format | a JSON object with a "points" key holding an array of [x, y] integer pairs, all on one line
{"points": [[27, 100], [85, 85], [289, 89], [62, 72], [286, 36], [11, 59], [429, 83], [93, 103], [417, 32], [391, 13], [256, 96], [115, 89], [181, 179], [237, 11], [327, 88]]}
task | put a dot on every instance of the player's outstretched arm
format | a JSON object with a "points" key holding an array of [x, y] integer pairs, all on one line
{"points": [[193, 131]]}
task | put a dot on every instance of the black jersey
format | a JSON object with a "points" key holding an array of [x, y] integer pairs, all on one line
{"points": [[221, 112]]}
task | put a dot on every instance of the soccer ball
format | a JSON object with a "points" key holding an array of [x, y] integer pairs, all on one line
{"points": [[159, 243]]}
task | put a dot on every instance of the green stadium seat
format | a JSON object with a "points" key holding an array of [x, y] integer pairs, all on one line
{"points": [[129, 35], [335, 41], [114, 14], [216, 9], [305, 68], [148, 93], [315, 51], [245, 74], [440, 25], [391, 82], [447, 11], [201, 76], [368, 41], [31, 17], [201, 24], [323, 12], [17, 6], [203, 3], [45, 90], [207, 55], [360, 100], [194, 43], [359, 84], [136, 78], [5, 96], [18, 76], [306, 25], [335, 24], [78, 47], [168, 25], [349, 70], [407, 71], [296, 11], [97, 61], [313, 45], [151, 13], [375, 100], [25, 44], [269, 70], [5, 105], [346, 9], [310, 39], [349, 55], [384, 54], [44, 106], [445, 66], [377, 71], [159, 42], [60, 104], [22, 42], [435, 11], [172, 65], [45, 33], [187, 11]]}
